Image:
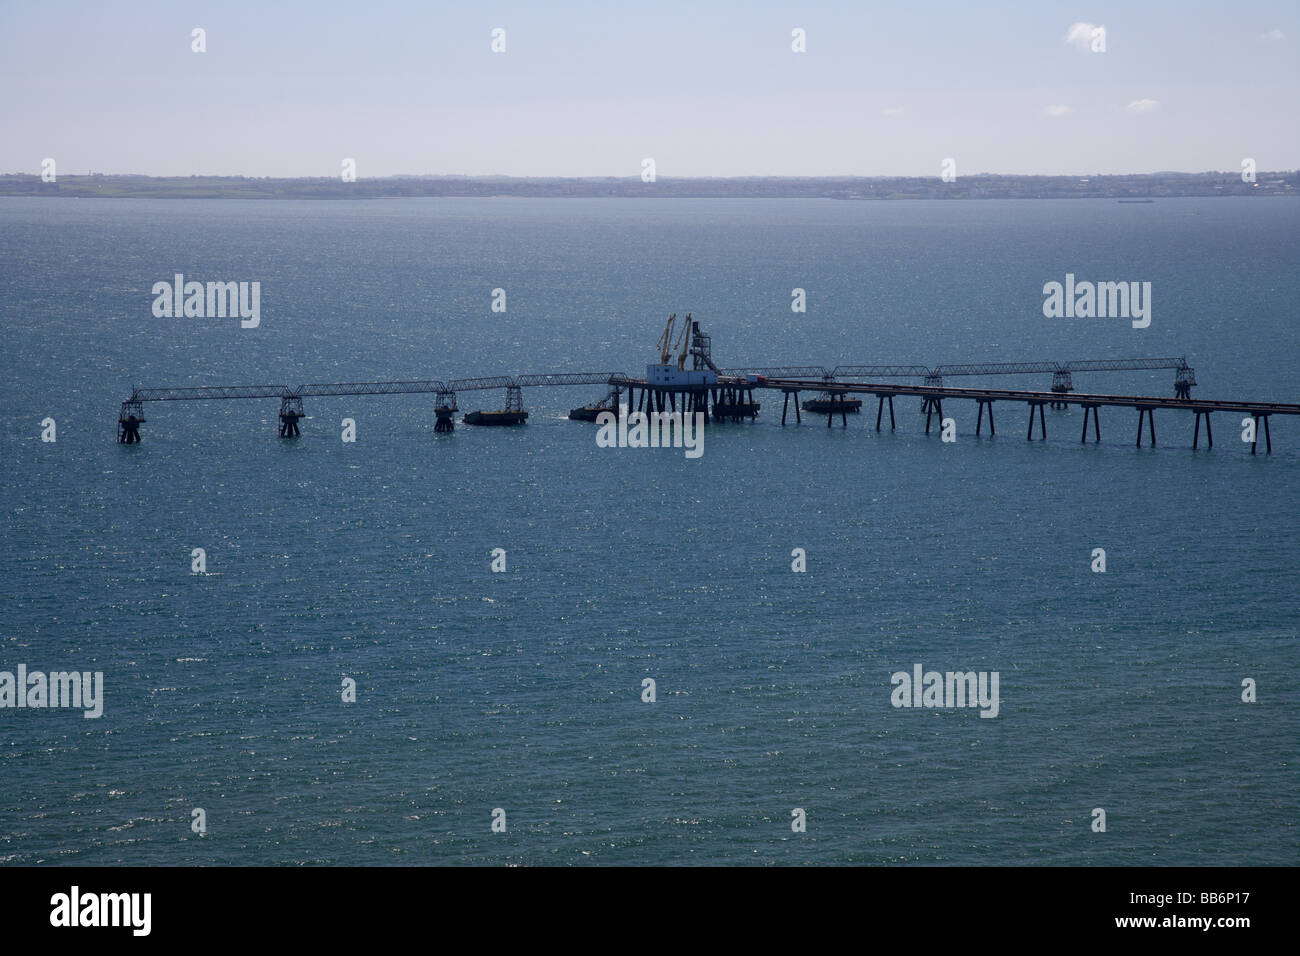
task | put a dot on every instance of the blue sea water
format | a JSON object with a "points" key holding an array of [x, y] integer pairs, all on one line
{"points": [[522, 690]]}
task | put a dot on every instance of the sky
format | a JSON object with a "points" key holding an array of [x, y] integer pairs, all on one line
{"points": [[703, 89]]}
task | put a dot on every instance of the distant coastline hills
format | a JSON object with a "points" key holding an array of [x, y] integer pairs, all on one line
{"points": [[979, 186]]}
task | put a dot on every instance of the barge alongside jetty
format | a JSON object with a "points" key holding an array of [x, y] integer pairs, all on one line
{"points": [[495, 418], [824, 404]]}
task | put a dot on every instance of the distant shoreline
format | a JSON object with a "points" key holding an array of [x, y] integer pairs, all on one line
{"points": [[981, 186]]}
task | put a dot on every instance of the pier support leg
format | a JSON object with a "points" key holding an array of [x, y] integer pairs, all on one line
{"points": [[290, 411], [880, 410], [979, 420], [844, 414], [128, 430], [1034, 407], [992, 430], [929, 406], [1196, 433], [129, 420], [1267, 438], [1090, 411], [1209, 432], [785, 408], [1149, 415], [798, 419]]}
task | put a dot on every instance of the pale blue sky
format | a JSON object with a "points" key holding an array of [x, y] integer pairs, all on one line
{"points": [[590, 89]]}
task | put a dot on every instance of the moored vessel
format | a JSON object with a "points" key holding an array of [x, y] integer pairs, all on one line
{"points": [[823, 404], [496, 418]]}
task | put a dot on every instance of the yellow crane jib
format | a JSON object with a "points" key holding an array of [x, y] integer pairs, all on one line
{"points": [[684, 342], [665, 341]]}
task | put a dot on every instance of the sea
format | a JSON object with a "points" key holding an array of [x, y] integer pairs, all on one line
{"points": [[308, 658]]}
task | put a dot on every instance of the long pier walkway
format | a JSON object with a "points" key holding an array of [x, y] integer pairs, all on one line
{"points": [[933, 397], [731, 396]]}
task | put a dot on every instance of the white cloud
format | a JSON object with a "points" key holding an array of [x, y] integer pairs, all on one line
{"points": [[894, 111], [1080, 36], [1143, 106], [1059, 109], [1274, 34]]}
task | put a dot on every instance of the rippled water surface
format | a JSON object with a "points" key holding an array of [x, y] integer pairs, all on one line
{"points": [[522, 690]]}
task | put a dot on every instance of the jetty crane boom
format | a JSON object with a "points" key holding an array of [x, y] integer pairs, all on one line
{"points": [[683, 340], [664, 344]]}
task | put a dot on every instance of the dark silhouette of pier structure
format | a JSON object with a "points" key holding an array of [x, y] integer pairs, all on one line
{"points": [[728, 394]]}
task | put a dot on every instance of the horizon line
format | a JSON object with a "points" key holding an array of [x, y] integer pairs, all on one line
{"points": [[675, 178]]}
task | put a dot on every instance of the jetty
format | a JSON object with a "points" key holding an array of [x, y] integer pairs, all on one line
{"points": [[722, 395]]}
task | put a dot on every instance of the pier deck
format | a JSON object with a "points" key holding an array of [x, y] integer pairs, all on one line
{"points": [[731, 396]]}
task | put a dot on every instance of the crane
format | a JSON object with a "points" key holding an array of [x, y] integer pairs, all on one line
{"points": [[683, 340], [665, 341]]}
